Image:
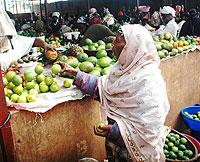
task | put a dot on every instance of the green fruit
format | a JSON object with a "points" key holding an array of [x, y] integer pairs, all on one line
{"points": [[180, 155], [88, 41], [95, 45], [177, 136], [55, 69], [101, 123], [14, 97], [101, 47], [5, 82], [167, 36], [158, 47], [167, 46], [166, 140], [43, 87], [170, 144], [39, 69], [33, 92], [67, 83], [40, 78], [86, 66], [18, 90], [109, 46], [165, 52], [10, 75], [29, 85], [17, 80], [174, 52], [95, 72], [106, 70], [21, 99], [156, 38], [166, 152], [161, 54], [189, 153], [91, 48], [29, 76], [100, 42], [24, 94], [175, 149], [72, 61], [172, 155], [82, 57], [62, 58], [37, 88], [101, 53], [182, 147], [31, 98], [48, 80], [54, 87], [183, 141], [9, 93], [177, 143], [92, 59], [166, 147], [172, 139], [104, 62], [85, 47]]}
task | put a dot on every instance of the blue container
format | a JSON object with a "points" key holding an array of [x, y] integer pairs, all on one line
{"points": [[194, 125]]}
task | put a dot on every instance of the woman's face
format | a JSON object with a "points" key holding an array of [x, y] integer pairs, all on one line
{"points": [[118, 44]]}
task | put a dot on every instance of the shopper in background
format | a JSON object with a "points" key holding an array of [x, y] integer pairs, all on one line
{"points": [[134, 97], [94, 17], [168, 20], [55, 24], [192, 25]]}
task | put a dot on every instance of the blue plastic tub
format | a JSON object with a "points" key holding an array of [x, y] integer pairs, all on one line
{"points": [[193, 124]]}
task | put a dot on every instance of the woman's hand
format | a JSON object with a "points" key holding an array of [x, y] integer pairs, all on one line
{"points": [[48, 47], [66, 69], [105, 130]]}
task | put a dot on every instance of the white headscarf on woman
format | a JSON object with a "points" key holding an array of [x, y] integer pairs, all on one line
{"points": [[21, 44], [134, 95]]}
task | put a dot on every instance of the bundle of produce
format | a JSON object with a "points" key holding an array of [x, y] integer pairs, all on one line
{"points": [[55, 41], [167, 45]]}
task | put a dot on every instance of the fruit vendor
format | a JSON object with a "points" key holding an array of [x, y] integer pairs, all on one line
{"points": [[168, 19], [192, 25], [134, 97], [13, 46]]}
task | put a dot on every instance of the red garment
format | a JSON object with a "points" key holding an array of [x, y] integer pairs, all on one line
{"points": [[120, 13], [95, 20]]}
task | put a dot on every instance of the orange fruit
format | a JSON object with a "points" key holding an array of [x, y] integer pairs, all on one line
{"points": [[180, 44]]}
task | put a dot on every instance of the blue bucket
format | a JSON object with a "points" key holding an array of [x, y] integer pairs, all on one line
{"points": [[193, 124]]}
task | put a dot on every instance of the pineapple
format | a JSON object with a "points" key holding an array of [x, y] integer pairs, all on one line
{"points": [[74, 50]]}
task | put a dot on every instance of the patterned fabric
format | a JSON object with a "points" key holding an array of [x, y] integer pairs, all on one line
{"points": [[88, 84], [134, 95]]}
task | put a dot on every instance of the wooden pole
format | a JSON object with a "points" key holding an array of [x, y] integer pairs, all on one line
{"points": [[41, 8], [46, 10], [5, 4], [6, 140]]}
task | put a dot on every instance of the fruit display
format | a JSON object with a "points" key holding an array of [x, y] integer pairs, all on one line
{"points": [[24, 88], [29, 33], [89, 45], [177, 147], [167, 45], [56, 42], [74, 50], [193, 116]]}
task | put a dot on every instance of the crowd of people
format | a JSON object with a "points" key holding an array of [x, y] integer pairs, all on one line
{"points": [[158, 21]]}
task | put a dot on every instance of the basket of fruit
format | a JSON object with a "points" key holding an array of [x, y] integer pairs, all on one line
{"points": [[178, 148], [191, 115]]}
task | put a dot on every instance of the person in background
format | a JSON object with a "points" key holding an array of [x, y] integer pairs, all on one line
{"points": [[55, 24], [168, 20], [155, 19], [94, 17], [39, 25], [13, 46], [96, 32], [192, 25], [133, 96]]}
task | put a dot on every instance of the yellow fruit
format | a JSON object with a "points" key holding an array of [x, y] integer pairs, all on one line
{"points": [[51, 55]]}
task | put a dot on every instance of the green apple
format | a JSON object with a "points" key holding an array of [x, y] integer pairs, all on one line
{"points": [[67, 83]]}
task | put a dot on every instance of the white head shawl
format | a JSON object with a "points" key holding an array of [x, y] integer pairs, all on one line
{"points": [[6, 29], [168, 10], [134, 95]]}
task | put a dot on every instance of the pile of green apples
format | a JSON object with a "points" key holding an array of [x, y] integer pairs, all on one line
{"points": [[25, 88]]}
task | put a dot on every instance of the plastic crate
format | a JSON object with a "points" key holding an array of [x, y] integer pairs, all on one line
{"points": [[193, 124]]}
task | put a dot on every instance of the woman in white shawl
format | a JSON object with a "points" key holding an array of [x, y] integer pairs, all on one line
{"points": [[134, 96], [13, 46]]}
